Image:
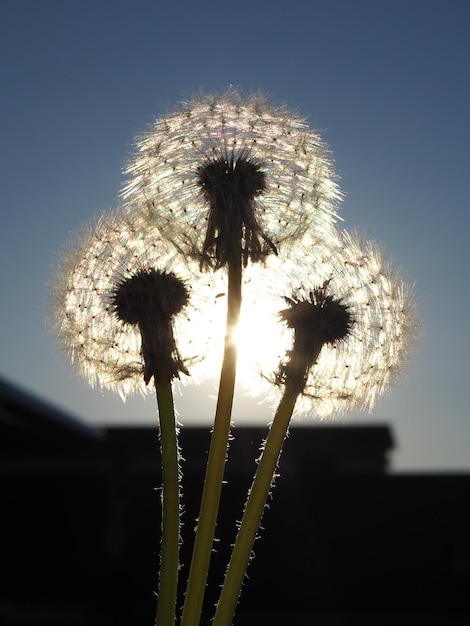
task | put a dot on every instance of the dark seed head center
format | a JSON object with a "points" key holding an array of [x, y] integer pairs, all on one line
{"points": [[150, 299], [317, 320], [149, 296], [230, 185], [233, 180]]}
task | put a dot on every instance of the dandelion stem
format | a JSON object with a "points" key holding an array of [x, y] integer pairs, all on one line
{"points": [[169, 562], [254, 507], [216, 461]]}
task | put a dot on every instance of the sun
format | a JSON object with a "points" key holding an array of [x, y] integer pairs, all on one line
{"points": [[261, 338]]}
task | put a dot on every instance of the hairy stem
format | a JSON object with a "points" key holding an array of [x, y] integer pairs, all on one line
{"points": [[169, 562], [216, 460], [296, 372], [254, 507]]}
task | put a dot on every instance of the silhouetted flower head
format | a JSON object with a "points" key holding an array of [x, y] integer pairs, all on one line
{"points": [[150, 299], [346, 332], [317, 320], [126, 307], [228, 176]]}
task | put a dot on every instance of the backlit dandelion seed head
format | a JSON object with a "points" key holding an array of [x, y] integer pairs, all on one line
{"points": [[100, 302], [225, 163], [374, 323]]}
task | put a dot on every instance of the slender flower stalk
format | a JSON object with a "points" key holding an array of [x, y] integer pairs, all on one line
{"points": [[320, 319], [169, 559], [254, 508], [216, 460]]}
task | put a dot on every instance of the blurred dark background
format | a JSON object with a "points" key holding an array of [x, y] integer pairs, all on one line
{"points": [[344, 541]]}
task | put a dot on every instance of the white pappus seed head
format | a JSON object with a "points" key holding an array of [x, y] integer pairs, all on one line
{"points": [[227, 171], [351, 298], [125, 305]]}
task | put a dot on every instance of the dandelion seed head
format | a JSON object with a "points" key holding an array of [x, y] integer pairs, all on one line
{"points": [[215, 144], [371, 325], [118, 277]]}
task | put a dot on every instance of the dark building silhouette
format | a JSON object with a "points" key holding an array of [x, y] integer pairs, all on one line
{"points": [[343, 541]]}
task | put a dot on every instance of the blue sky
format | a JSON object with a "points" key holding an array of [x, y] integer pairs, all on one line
{"points": [[386, 84]]}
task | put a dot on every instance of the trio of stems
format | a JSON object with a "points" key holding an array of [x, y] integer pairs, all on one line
{"points": [[256, 501]]}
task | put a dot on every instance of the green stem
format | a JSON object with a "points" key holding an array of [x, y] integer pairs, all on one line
{"points": [[216, 461], [255, 504], [169, 562]]}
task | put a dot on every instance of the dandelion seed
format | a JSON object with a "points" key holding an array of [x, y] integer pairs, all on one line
{"points": [[226, 176]]}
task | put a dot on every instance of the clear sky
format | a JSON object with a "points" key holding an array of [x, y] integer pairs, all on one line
{"points": [[386, 82]]}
